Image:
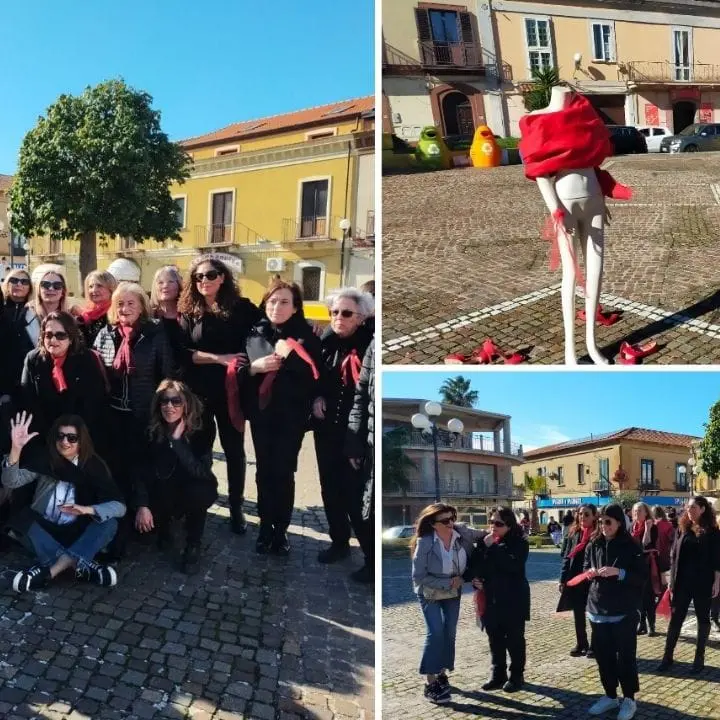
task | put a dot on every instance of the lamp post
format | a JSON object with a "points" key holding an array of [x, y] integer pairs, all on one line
{"points": [[426, 422], [692, 462], [9, 219], [345, 225]]}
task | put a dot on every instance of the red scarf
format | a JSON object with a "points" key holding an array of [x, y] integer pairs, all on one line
{"points": [[95, 312], [638, 530], [267, 382], [232, 391], [584, 540], [350, 368], [124, 361], [58, 376]]}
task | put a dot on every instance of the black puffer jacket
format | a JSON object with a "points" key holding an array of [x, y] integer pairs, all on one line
{"points": [[612, 596]]}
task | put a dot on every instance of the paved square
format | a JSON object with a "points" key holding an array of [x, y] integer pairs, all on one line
{"points": [[247, 636], [558, 687], [462, 250]]}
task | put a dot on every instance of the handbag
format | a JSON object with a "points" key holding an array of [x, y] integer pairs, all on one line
{"points": [[432, 594]]}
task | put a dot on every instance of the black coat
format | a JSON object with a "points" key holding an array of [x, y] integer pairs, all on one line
{"points": [[501, 567], [19, 330], [214, 334], [694, 560], [278, 429], [612, 596], [86, 393], [572, 596], [91, 329]]}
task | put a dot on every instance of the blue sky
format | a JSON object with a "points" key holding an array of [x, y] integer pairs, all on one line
{"points": [[205, 64], [551, 407]]}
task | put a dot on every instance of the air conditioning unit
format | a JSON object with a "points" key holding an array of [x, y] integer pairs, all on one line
{"points": [[275, 264]]}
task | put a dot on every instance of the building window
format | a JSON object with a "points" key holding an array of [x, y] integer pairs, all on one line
{"points": [[539, 46], [314, 208], [681, 482], [604, 470], [647, 472], [561, 476], [682, 55], [445, 36], [581, 474], [483, 480], [603, 42], [127, 242], [180, 204], [317, 134], [231, 150], [222, 217], [455, 477]]}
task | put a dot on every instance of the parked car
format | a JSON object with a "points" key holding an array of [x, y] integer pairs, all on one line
{"points": [[694, 138], [397, 538], [654, 136], [627, 140]]}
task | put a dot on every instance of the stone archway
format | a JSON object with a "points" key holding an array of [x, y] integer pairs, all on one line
{"points": [[457, 115], [474, 98]]}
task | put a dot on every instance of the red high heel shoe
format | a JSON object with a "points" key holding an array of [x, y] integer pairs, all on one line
{"points": [[632, 354]]}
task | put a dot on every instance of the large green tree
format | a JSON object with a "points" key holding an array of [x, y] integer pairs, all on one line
{"points": [[98, 163], [395, 463], [534, 488], [457, 391], [710, 444]]}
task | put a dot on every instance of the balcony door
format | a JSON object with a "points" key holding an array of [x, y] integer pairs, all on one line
{"points": [[445, 36], [314, 210], [682, 55], [222, 215]]}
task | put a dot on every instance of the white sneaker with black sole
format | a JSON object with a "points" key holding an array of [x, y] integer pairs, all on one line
{"points": [[604, 704], [103, 575], [436, 693], [33, 578], [628, 708]]}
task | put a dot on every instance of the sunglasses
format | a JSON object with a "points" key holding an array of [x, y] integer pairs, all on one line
{"points": [[497, 523], [52, 285], [60, 335], [343, 313], [72, 438], [444, 521], [209, 275], [18, 281], [607, 521], [174, 400]]}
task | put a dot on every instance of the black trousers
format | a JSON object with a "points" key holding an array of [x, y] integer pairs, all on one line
{"points": [[615, 648], [701, 598], [170, 500], [506, 637], [342, 490], [715, 609], [647, 611], [580, 626]]}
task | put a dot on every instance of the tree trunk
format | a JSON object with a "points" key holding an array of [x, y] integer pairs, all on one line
{"points": [[88, 254]]}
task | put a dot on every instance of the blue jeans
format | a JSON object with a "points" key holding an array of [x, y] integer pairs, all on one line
{"points": [[441, 619], [95, 537]]}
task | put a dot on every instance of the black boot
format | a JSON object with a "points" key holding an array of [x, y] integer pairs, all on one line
{"points": [[673, 635], [280, 543], [334, 553], [263, 544], [238, 523], [190, 557], [702, 638]]}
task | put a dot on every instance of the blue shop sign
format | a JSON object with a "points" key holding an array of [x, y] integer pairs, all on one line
{"points": [[576, 501]]}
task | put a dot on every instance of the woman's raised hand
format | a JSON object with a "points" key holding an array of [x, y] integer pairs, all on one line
{"points": [[19, 431]]}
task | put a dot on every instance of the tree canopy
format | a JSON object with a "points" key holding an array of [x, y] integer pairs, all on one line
{"points": [[710, 444], [395, 463], [98, 163], [457, 391]]}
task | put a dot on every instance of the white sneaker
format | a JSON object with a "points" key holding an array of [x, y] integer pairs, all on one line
{"points": [[628, 708], [603, 705]]}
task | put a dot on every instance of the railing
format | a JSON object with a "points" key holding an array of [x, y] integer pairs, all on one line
{"points": [[231, 234], [450, 488], [601, 488], [311, 228], [669, 72], [648, 485], [465, 441], [451, 54], [683, 486]]}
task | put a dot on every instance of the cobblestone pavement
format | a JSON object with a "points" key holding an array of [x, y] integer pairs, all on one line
{"points": [[558, 687], [246, 636], [462, 251]]}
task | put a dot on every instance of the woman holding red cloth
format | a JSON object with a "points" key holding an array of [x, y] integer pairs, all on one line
{"points": [[99, 287], [646, 533], [575, 598], [279, 386]]}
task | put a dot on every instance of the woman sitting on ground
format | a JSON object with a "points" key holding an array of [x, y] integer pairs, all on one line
{"points": [[76, 503], [179, 481]]}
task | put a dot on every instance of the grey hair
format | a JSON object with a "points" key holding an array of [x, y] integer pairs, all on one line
{"points": [[174, 273], [364, 301]]}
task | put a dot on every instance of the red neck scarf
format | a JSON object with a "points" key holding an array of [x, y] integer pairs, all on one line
{"points": [[638, 530], [95, 312], [350, 368], [58, 376], [124, 361], [267, 382], [584, 540]]}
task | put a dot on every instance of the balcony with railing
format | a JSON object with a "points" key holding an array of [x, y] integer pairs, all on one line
{"points": [[451, 487], [667, 72], [683, 486], [226, 234], [465, 442], [324, 227], [454, 55], [648, 485], [601, 488]]}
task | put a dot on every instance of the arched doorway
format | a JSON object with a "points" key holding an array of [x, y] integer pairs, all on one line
{"points": [[683, 115], [457, 115]]}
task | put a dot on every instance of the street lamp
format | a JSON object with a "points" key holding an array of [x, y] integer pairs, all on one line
{"points": [[345, 226], [9, 219], [692, 462], [427, 423]]}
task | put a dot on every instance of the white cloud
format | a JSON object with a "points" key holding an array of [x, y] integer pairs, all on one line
{"points": [[537, 436]]}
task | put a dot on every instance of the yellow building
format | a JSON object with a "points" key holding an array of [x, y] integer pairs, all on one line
{"points": [[269, 197], [458, 66], [651, 463]]}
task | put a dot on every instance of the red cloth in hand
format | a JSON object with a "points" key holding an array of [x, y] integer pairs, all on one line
{"points": [[350, 368], [232, 392], [581, 578], [265, 391], [58, 376], [480, 604], [124, 361], [663, 608]]}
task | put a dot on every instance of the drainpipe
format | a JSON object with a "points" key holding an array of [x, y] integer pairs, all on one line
{"points": [[347, 198]]}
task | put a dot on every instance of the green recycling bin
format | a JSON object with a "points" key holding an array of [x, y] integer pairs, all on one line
{"points": [[431, 150]]}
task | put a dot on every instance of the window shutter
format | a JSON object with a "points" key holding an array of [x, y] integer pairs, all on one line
{"points": [[422, 19], [465, 27]]}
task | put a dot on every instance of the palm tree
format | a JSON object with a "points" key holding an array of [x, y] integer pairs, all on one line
{"points": [[395, 463], [538, 97], [534, 486], [456, 391]]}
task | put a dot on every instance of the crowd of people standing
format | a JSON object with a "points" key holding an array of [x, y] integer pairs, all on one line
{"points": [[109, 411]]}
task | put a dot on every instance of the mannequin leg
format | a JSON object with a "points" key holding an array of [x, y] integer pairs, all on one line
{"points": [[568, 293]]}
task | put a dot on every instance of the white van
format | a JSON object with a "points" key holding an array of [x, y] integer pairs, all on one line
{"points": [[653, 136]]}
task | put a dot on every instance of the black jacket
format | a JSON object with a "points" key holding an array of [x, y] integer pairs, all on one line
{"points": [[501, 567], [91, 329], [612, 596], [19, 331], [694, 560], [572, 566]]}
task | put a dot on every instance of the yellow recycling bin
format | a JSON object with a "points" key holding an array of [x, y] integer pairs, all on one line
{"points": [[484, 151]]}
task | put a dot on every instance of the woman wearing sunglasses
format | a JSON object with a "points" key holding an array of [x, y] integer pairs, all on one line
{"points": [[694, 576], [61, 377], [573, 559], [137, 356], [280, 385], [214, 323], [645, 532], [51, 295], [617, 573], [344, 344], [440, 551], [178, 481], [99, 287], [75, 506], [497, 566]]}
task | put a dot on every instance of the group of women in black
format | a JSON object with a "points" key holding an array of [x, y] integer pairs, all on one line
{"points": [[117, 402]]}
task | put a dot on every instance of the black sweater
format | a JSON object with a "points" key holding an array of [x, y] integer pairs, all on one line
{"points": [[694, 560]]}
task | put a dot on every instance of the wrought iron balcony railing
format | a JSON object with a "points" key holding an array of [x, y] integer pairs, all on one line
{"points": [[464, 441], [323, 227], [451, 54], [644, 72], [453, 488], [601, 488], [230, 234], [648, 485]]}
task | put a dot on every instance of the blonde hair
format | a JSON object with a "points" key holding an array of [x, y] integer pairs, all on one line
{"points": [[174, 273], [646, 507], [62, 305], [192, 407], [105, 279], [125, 288], [17, 272]]}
